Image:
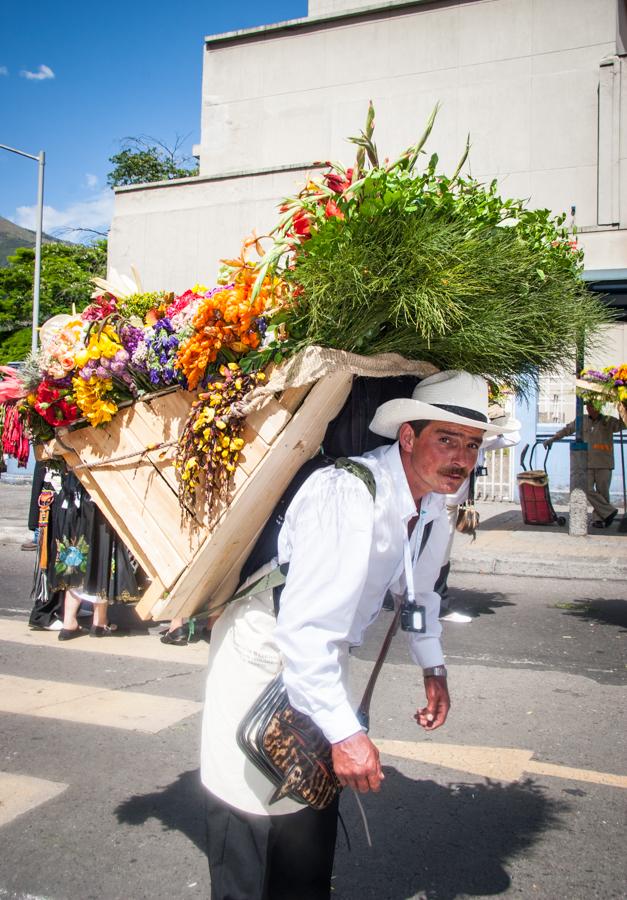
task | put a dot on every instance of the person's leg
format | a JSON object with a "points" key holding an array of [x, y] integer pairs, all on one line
{"points": [[237, 851], [177, 633], [100, 614], [598, 494], [70, 622], [301, 854]]}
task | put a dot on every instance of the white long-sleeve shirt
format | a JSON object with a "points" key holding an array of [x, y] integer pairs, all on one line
{"points": [[345, 551]]}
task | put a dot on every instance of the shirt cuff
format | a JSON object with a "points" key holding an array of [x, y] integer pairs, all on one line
{"points": [[337, 724], [426, 651]]}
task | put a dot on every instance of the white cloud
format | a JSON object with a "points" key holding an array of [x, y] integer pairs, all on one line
{"points": [[95, 213], [42, 73], [91, 180], [4, 70]]}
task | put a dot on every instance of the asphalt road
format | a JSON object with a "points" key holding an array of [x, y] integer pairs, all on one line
{"points": [[111, 737]]}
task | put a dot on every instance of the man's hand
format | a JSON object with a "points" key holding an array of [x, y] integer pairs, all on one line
{"points": [[546, 444], [438, 703], [356, 763]]}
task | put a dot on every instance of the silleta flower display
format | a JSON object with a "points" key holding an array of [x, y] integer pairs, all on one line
{"points": [[377, 257]]}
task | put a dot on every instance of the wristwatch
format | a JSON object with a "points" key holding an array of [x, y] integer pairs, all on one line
{"points": [[435, 670]]}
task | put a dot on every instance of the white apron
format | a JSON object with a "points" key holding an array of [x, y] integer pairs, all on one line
{"points": [[243, 660]]}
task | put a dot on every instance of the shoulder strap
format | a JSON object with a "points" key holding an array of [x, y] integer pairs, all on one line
{"points": [[363, 712], [360, 470]]}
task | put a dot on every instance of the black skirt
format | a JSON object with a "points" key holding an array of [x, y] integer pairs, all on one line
{"points": [[87, 556]]}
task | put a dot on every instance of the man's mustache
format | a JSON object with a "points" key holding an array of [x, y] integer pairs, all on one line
{"points": [[455, 470]]}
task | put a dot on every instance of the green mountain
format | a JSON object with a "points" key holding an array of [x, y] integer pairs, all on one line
{"points": [[13, 236]]}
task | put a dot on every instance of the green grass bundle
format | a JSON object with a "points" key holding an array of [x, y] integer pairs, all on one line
{"points": [[383, 259]]}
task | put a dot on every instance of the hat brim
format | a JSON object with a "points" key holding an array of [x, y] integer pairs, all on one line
{"points": [[391, 415]]}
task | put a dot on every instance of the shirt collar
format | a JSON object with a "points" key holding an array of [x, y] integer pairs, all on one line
{"points": [[432, 504]]}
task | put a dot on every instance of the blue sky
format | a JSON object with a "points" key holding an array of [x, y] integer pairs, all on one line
{"points": [[77, 78]]}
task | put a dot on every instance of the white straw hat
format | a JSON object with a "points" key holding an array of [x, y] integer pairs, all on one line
{"points": [[456, 397]]}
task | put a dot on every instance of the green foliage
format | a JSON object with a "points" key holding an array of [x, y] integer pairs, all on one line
{"points": [[66, 272], [436, 268], [16, 347], [139, 304], [143, 160]]}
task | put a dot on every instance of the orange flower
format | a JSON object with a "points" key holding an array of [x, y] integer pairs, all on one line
{"points": [[227, 319]]}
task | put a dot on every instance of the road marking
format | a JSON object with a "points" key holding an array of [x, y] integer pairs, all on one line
{"points": [[21, 793], [499, 763], [91, 705], [139, 646]]}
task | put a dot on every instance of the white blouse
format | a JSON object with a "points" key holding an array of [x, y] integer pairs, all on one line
{"points": [[345, 551]]}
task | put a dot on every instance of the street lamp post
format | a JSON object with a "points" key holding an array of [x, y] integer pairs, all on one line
{"points": [[40, 159]]}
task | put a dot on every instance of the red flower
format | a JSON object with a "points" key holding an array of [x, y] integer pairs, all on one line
{"points": [[302, 223], [102, 307], [332, 211], [337, 182]]}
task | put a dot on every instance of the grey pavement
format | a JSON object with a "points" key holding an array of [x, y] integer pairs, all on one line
{"points": [[530, 807], [521, 793]]}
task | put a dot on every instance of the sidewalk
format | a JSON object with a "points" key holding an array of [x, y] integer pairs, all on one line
{"points": [[504, 545]]}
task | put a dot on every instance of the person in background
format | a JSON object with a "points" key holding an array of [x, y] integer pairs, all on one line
{"points": [[39, 475], [598, 432]]}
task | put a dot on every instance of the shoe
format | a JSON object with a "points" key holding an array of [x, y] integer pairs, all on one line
{"points": [[29, 545], [68, 634], [99, 631], [180, 636], [459, 618], [608, 521], [55, 625]]}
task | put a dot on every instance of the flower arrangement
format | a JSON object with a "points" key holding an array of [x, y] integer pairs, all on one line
{"points": [[211, 442], [608, 385], [382, 257]]}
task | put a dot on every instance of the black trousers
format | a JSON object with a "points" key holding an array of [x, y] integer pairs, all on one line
{"points": [[270, 857]]}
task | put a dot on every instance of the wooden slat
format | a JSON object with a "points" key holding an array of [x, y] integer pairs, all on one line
{"points": [[291, 398], [269, 421], [226, 546], [127, 484], [254, 450]]}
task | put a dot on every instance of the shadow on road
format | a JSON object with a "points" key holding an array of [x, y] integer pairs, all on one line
{"points": [[178, 806], [429, 840], [477, 603], [599, 611], [439, 842]]}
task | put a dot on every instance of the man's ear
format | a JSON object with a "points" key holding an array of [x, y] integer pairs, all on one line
{"points": [[406, 437]]}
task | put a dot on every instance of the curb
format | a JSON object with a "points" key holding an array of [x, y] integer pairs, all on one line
{"points": [[570, 568]]}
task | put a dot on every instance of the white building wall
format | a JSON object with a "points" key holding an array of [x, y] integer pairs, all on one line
{"points": [[521, 76]]}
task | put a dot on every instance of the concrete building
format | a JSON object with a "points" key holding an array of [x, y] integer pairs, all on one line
{"points": [[540, 86]]}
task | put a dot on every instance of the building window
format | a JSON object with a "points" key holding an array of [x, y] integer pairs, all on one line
{"points": [[556, 399]]}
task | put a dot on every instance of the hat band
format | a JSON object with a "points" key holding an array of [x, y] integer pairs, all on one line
{"points": [[462, 411]]}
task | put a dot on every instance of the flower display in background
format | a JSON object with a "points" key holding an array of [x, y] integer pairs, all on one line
{"points": [[609, 385]]}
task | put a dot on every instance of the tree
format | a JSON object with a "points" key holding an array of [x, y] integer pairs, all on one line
{"points": [[145, 159], [66, 273]]}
